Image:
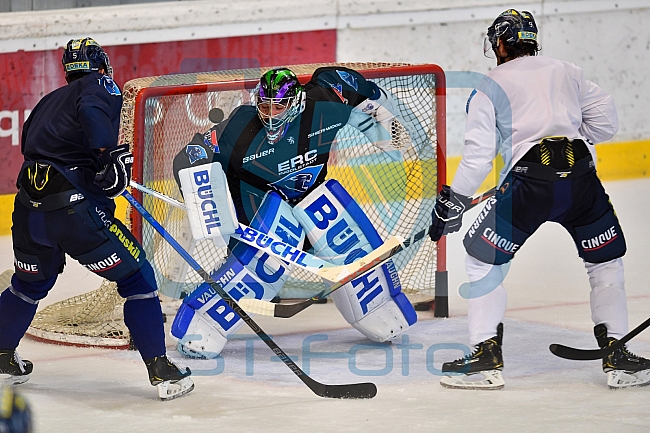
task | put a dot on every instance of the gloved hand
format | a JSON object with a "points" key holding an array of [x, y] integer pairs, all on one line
{"points": [[116, 174], [382, 112], [447, 214]]}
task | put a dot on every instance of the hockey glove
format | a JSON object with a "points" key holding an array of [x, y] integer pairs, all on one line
{"points": [[447, 213], [116, 174]]}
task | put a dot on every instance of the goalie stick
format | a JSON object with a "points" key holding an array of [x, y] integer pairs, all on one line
{"points": [[304, 260], [354, 390], [267, 308], [576, 354]]}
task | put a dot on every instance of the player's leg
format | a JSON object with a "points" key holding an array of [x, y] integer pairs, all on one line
{"points": [[341, 232], [103, 245], [37, 262], [205, 321], [502, 227], [601, 244]]}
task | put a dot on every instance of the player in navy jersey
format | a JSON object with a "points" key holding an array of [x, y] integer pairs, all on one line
{"points": [[542, 117], [73, 169], [274, 154]]}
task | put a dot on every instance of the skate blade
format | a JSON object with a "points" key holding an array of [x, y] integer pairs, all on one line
{"points": [[485, 380], [618, 379], [8, 379], [169, 390]]}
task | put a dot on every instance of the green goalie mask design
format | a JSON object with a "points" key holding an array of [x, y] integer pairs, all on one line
{"points": [[279, 98]]}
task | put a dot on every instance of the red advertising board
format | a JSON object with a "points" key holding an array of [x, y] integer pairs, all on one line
{"points": [[25, 76]]}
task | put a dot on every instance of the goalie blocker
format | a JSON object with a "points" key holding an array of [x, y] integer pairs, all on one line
{"points": [[340, 233]]}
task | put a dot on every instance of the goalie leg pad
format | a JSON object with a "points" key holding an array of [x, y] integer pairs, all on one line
{"points": [[340, 232], [205, 321]]}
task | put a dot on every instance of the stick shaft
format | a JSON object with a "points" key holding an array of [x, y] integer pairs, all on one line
{"points": [[361, 390]]}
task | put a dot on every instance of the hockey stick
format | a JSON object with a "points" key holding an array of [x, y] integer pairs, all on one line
{"points": [[354, 390], [267, 308], [575, 354], [302, 259]]}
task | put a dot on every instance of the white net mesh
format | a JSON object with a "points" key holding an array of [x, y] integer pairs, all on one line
{"points": [[160, 116]]}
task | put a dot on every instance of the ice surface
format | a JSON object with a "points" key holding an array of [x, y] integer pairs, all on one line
{"points": [[249, 390]]}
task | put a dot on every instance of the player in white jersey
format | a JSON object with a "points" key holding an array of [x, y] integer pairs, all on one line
{"points": [[542, 117]]}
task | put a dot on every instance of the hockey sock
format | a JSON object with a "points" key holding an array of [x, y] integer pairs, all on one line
{"points": [[608, 299], [485, 312], [144, 319], [15, 317], [142, 312]]}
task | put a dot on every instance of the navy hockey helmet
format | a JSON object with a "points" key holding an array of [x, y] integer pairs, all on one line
{"points": [[279, 98], [85, 55], [511, 27], [15, 414]]}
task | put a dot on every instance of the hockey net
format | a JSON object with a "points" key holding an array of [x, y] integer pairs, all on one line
{"points": [[161, 114]]}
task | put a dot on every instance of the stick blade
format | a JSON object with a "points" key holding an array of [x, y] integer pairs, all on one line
{"points": [[286, 311], [365, 390], [574, 354], [257, 306]]}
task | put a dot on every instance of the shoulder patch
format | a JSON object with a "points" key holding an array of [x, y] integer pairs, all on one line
{"points": [[349, 79], [210, 139], [471, 95], [338, 89], [109, 85], [195, 153]]}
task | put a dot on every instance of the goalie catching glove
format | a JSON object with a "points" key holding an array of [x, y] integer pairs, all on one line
{"points": [[116, 174], [447, 213]]}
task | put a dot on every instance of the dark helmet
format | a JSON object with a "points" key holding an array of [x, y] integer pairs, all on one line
{"points": [[512, 27], [15, 415], [85, 55], [278, 91]]}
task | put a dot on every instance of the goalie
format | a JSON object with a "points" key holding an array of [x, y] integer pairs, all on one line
{"points": [[274, 156]]}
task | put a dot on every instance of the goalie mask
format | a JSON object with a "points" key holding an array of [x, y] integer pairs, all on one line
{"points": [[279, 98], [511, 27], [84, 55]]}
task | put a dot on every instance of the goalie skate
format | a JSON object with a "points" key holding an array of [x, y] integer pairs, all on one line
{"points": [[170, 380]]}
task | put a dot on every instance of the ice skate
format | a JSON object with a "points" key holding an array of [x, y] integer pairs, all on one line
{"points": [[481, 369], [171, 380], [13, 369], [624, 369]]}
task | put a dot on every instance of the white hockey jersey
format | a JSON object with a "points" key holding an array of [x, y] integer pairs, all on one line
{"points": [[522, 101]]}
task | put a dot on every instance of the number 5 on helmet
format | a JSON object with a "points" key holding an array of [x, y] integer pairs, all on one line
{"points": [[210, 209]]}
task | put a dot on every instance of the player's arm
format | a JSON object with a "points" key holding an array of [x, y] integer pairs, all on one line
{"points": [[480, 145], [374, 107], [478, 152], [345, 85], [201, 149], [99, 116], [599, 117], [98, 111]]}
